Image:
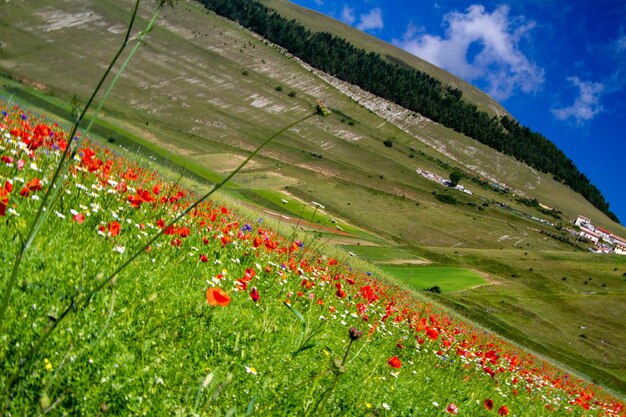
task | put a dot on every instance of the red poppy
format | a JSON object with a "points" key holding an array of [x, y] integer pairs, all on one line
{"points": [[368, 293], [4, 203], [33, 185], [452, 409], [250, 273], [4, 197], [394, 362], [114, 228], [340, 292], [488, 403], [217, 297], [432, 333], [42, 131], [121, 187], [204, 258], [490, 371], [254, 294], [503, 411], [79, 218]]}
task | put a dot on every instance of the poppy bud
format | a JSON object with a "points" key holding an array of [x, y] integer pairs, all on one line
{"points": [[355, 333], [254, 294]]}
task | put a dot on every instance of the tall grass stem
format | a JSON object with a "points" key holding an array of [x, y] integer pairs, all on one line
{"points": [[47, 198]]}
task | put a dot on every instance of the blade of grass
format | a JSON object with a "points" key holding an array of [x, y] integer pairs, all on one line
{"points": [[45, 201]]}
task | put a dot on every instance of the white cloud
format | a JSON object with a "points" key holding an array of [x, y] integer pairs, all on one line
{"points": [[587, 104], [319, 2], [371, 21], [498, 61], [347, 15]]}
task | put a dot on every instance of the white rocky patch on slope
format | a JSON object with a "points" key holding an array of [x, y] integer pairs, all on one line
{"points": [[408, 121], [266, 104], [58, 19]]}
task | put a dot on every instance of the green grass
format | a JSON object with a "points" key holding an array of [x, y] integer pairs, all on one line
{"points": [[384, 254], [566, 305], [185, 100], [448, 279]]}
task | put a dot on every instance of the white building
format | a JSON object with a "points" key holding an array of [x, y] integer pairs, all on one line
{"points": [[582, 221], [620, 245], [589, 234]]}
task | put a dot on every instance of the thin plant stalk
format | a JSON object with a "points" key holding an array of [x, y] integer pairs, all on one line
{"points": [[47, 198], [294, 233], [52, 190], [130, 56], [79, 300], [338, 370]]}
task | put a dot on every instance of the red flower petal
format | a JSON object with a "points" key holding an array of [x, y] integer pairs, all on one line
{"points": [[217, 297]]}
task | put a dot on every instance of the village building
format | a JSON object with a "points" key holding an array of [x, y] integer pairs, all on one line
{"points": [[604, 234], [601, 249], [582, 221], [589, 235], [620, 245], [612, 243]]}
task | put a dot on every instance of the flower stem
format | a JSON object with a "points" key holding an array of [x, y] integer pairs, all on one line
{"points": [[48, 196]]}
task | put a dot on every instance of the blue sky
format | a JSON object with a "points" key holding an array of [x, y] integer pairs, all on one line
{"points": [[558, 67]]}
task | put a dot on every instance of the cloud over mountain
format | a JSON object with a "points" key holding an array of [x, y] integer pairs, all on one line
{"points": [[480, 46], [347, 15], [372, 20]]}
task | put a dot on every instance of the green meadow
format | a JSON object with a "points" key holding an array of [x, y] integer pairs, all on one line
{"points": [[448, 279], [202, 94]]}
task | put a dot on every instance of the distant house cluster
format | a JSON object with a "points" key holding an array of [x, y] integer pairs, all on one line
{"points": [[605, 241], [441, 180]]}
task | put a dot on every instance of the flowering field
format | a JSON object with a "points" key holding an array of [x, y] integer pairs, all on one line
{"points": [[221, 315]]}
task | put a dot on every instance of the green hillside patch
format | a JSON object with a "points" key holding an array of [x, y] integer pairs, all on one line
{"points": [[386, 254], [448, 279]]}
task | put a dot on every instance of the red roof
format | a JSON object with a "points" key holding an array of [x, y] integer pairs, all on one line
{"points": [[606, 232]]}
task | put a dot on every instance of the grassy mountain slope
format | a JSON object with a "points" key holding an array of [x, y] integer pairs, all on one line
{"points": [[319, 22], [203, 92]]}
